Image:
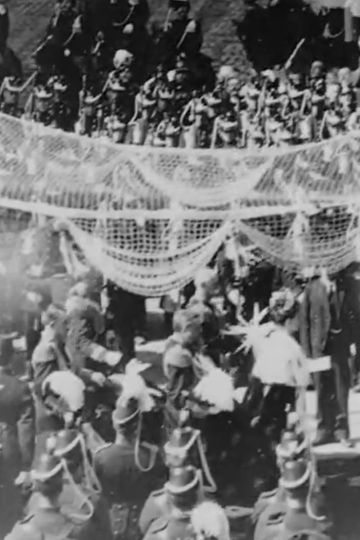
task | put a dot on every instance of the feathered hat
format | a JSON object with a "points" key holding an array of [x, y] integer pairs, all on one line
{"points": [[64, 393], [209, 521], [216, 388], [132, 389]]}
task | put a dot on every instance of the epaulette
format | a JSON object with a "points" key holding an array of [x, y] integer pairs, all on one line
{"points": [[276, 518], [268, 494], [102, 447], [26, 519], [158, 492]]}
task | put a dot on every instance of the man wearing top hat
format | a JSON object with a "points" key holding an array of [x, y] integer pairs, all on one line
{"points": [[17, 430]]}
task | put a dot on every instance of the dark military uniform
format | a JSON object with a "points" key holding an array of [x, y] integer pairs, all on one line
{"points": [[210, 327], [85, 324], [278, 520], [180, 374], [48, 523], [156, 506], [267, 499], [17, 432], [97, 526], [171, 528], [125, 486]]}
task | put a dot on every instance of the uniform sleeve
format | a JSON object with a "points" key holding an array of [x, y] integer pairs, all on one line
{"points": [[179, 379], [26, 428], [80, 347], [101, 521]]}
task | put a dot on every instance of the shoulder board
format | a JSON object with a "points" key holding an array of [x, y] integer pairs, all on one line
{"points": [[276, 518], [159, 525], [27, 519], [102, 447], [268, 494], [158, 492]]}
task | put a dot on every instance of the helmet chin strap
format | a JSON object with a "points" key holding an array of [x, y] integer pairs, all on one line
{"points": [[83, 499], [153, 449], [91, 478]]}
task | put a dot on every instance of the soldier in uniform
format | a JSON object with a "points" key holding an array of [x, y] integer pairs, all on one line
{"points": [[81, 496], [85, 325], [47, 520], [59, 402], [178, 364], [128, 469], [183, 488], [17, 432], [201, 304], [301, 513], [181, 34], [180, 451]]}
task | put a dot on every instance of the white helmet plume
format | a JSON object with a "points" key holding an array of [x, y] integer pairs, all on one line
{"points": [[217, 389], [67, 386], [209, 520], [134, 386]]}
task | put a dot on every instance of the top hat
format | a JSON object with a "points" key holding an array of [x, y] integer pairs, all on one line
{"points": [[183, 480], [125, 411], [295, 473], [47, 467]]}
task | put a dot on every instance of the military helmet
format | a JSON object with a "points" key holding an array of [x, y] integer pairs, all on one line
{"points": [[180, 450], [66, 444], [46, 468], [183, 480], [125, 411], [295, 473]]}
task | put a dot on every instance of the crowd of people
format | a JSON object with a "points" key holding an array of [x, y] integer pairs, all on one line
{"points": [[90, 449], [101, 72]]}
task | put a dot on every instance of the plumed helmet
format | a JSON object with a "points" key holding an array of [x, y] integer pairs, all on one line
{"points": [[283, 305], [209, 521], [122, 59], [183, 480], [216, 389], [66, 392], [180, 449], [295, 473], [131, 387], [47, 467], [126, 411]]}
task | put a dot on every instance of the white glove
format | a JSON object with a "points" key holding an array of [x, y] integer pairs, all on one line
{"points": [[353, 349], [113, 358], [191, 27]]}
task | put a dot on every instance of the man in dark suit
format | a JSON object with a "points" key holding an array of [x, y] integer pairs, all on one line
{"points": [[326, 329]]}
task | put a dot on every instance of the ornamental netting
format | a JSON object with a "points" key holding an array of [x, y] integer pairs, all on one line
{"points": [[149, 218]]}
